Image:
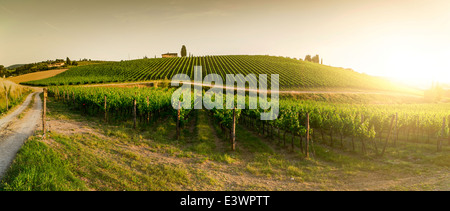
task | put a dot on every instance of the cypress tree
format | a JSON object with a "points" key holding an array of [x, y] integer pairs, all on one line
{"points": [[183, 51]]}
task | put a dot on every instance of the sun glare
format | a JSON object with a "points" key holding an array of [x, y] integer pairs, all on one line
{"points": [[412, 65]]}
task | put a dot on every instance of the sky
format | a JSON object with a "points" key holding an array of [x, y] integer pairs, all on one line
{"points": [[404, 39]]}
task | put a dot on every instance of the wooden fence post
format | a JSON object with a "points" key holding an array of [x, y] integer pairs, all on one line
{"points": [[106, 113], [439, 142], [148, 113], [396, 129], [363, 145], [263, 127], [134, 113], [307, 135], [292, 141], [44, 111], [178, 120], [389, 134], [233, 131]]}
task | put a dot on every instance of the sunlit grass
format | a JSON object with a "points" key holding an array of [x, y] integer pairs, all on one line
{"points": [[16, 94], [114, 156]]}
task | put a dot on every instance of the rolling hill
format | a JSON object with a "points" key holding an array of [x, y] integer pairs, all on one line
{"points": [[12, 67], [36, 75], [293, 73]]}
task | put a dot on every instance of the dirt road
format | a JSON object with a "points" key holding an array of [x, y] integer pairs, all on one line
{"points": [[15, 129]]}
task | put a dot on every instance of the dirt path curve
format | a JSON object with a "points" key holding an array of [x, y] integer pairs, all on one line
{"points": [[14, 131], [7, 119]]}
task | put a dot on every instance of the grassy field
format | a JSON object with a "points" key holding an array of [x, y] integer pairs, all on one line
{"points": [[84, 153], [16, 94], [40, 75], [36, 76]]}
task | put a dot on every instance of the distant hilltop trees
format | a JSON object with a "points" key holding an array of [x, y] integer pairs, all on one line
{"points": [[36, 67], [3, 71], [314, 59]]}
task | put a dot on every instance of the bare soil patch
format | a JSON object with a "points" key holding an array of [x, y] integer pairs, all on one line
{"points": [[36, 76]]}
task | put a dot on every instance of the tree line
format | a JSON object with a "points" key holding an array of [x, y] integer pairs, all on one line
{"points": [[315, 59], [36, 67]]}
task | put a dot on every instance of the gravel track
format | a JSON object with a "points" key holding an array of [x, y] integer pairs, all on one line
{"points": [[14, 131]]}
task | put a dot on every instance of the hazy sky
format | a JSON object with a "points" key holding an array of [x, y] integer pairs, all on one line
{"points": [[395, 38]]}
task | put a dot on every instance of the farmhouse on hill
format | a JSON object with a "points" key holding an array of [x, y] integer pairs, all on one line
{"points": [[56, 64], [169, 55]]}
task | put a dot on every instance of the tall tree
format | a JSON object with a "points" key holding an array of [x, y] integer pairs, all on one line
{"points": [[308, 58], [2, 71], [68, 61], [183, 51], [316, 59]]}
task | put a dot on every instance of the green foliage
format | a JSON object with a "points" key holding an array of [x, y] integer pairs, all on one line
{"points": [[364, 121], [11, 95], [39, 168], [90, 100], [315, 59], [222, 115], [292, 73], [308, 58], [183, 52]]}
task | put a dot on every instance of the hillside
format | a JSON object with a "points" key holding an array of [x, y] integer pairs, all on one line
{"points": [[293, 73], [36, 75], [12, 67], [16, 94]]}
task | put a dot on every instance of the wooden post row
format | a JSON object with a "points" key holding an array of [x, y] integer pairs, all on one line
{"points": [[106, 113], [148, 114], [134, 113]]}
